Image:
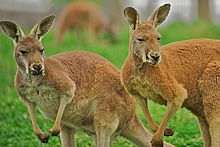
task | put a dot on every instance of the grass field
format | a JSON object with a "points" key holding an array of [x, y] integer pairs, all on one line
{"points": [[15, 124]]}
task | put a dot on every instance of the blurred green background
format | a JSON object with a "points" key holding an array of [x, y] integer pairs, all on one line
{"points": [[15, 124]]}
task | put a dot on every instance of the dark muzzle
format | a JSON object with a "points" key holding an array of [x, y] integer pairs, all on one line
{"points": [[36, 69]]}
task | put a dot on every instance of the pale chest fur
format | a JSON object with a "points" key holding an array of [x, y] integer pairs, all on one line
{"points": [[134, 79], [144, 89], [44, 96], [47, 98]]}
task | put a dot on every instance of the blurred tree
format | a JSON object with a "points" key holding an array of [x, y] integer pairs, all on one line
{"points": [[203, 10], [58, 2], [114, 13]]}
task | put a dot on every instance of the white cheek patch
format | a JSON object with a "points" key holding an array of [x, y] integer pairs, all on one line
{"points": [[43, 67], [42, 63], [27, 71], [31, 67], [26, 66], [144, 59]]}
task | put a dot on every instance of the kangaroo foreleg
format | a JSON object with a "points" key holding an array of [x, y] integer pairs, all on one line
{"points": [[41, 135], [153, 126]]}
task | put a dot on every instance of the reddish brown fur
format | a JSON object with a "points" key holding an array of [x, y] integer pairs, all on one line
{"points": [[80, 91], [187, 76], [83, 15]]}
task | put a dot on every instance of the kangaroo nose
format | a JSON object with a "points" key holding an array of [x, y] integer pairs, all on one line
{"points": [[155, 56], [37, 67]]}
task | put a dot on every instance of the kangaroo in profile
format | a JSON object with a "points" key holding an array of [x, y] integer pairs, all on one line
{"points": [[181, 74], [79, 91], [83, 15]]}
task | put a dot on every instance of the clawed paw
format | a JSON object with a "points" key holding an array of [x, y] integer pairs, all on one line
{"points": [[168, 132], [54, 132], [157, 143], [43, 137]]}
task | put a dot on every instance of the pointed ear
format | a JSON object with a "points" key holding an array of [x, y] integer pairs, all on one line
{"points": [[12, 30], [159, 15], [41, 28], [132, 17]]}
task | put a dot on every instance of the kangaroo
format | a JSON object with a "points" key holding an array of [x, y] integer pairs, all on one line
{"points": [[85, 15], [181, 74], [79, 91]]}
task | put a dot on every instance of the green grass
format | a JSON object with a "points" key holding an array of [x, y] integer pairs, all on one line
{"points": [[15, 124]]}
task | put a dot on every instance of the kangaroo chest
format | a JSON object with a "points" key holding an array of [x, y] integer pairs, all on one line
{"points": [[144, 89], [46, 98], [77, 114]]}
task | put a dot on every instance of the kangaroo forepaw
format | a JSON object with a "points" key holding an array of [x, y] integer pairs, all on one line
{"points": [[157, 143], [168, 132], [43, 137], [54, 132]]}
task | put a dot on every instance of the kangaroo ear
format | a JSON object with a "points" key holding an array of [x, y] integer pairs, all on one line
{"points": [[159, 15], [41, 28], [12, 30], [132, 17]]}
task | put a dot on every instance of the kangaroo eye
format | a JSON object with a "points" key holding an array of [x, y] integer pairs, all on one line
{"points": [[159, 38], [140, 39], [42, 50], [23, 52]]}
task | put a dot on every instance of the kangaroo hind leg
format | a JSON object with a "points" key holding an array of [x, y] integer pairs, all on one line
{"points": [[105, 125], [137, 133], [67, 136], [209, 86]]}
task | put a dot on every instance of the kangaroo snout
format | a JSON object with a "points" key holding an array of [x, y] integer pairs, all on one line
{"points": [[152, 58], [155, 56], [36, 69]]}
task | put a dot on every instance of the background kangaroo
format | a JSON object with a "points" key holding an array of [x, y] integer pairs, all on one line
{"points": [[80, 16], [182, 74], [80, 91]]}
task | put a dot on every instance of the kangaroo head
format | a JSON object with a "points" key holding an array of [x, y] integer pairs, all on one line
{"points": [[28, 49], [144, 38]]}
